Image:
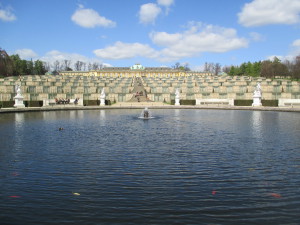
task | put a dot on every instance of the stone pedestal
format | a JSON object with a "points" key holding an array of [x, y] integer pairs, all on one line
{"points": [[19, 101], [102, 101], [256, 99], [102, 98], [177, 97]]}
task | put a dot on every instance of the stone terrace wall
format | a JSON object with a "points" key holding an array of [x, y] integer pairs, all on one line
{"points": [[38, 88], [219, 87], [119, 89]]}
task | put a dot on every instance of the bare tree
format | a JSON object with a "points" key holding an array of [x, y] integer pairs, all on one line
{"points": [[177, 65], [209, 67], [186, 66], [90, 66], [226, 69], [78, 65], [217, 68], [66, 65], [56, 66]]}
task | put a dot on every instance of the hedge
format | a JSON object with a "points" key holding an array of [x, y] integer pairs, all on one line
{"points": [[270, 103], [240, 102], [33, 103], [7, 104], [10, 104], [184, 102], [95, 102]]}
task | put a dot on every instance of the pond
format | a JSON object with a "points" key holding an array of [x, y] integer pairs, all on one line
{"points": [[184, 166]]}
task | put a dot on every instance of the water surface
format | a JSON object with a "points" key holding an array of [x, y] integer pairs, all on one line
{"points": [[181, 167]]}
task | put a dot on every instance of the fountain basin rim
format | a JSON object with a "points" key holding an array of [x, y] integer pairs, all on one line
{"points": [[66, 108]]}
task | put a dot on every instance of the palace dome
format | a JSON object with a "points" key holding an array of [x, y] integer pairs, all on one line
{"points": [[137, 67]]}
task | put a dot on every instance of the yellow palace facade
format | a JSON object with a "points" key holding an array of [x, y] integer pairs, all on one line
{"points": [[136, 70]]}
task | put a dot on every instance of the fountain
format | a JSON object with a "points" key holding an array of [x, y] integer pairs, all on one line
{"points": [[146, 114]]}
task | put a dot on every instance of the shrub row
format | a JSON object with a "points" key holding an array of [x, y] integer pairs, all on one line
{"points": [[10, 104], [184, 102], [237, 102], [95, 102], [270, 103]]}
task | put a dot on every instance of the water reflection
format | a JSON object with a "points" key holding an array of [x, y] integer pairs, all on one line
{"points": [[257, 124], [19, 129], [102, 117]]}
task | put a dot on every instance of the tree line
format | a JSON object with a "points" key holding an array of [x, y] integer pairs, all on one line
{"points": [[14, 66], [267, 68]]}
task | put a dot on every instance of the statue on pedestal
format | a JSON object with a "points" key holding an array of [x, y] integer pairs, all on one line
{"points": [[102, 97], [18, 90], [177, 97], [257, 96], [18, 98]]}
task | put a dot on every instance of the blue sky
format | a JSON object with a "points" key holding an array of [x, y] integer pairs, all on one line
{"points": [[151, 32]]}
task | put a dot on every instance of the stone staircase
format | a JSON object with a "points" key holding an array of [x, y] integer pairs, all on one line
{"points": [[139, 89]]}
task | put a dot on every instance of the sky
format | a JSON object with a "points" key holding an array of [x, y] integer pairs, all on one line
{"points": [[153, 33]]}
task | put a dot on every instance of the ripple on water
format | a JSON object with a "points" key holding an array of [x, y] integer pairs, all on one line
{"points": [[183, 166]]}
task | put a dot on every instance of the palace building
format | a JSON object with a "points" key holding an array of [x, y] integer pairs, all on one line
{"points": [[136, 70], [145, 84]]}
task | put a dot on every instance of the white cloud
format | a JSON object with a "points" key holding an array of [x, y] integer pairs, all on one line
{"points": [[90, 18], [264, 12], [26, 53], [256, 36], [148, 13], [198, 68], [165, 39], [295, 49], [165, 3], [197, 39], [296, 43], [55, 55], [292, 54], [122, 50], [194, 41], [6, 14]]}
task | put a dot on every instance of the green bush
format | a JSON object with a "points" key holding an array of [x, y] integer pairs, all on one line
{"points": [[184, 102], [90, 102], [95, 102], [270, 103], [187, 102], [240, 102], [7, 104], [34, 104]]}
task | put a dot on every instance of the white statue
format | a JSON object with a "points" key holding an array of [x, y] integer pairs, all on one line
{"points": [[102, 97], [177, 97], [18, 98], [18, 89], [102, 93], [257, 96], [258, 87]]}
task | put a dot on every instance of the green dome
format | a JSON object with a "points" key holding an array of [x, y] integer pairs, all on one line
{"points": [[137, 67]]}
